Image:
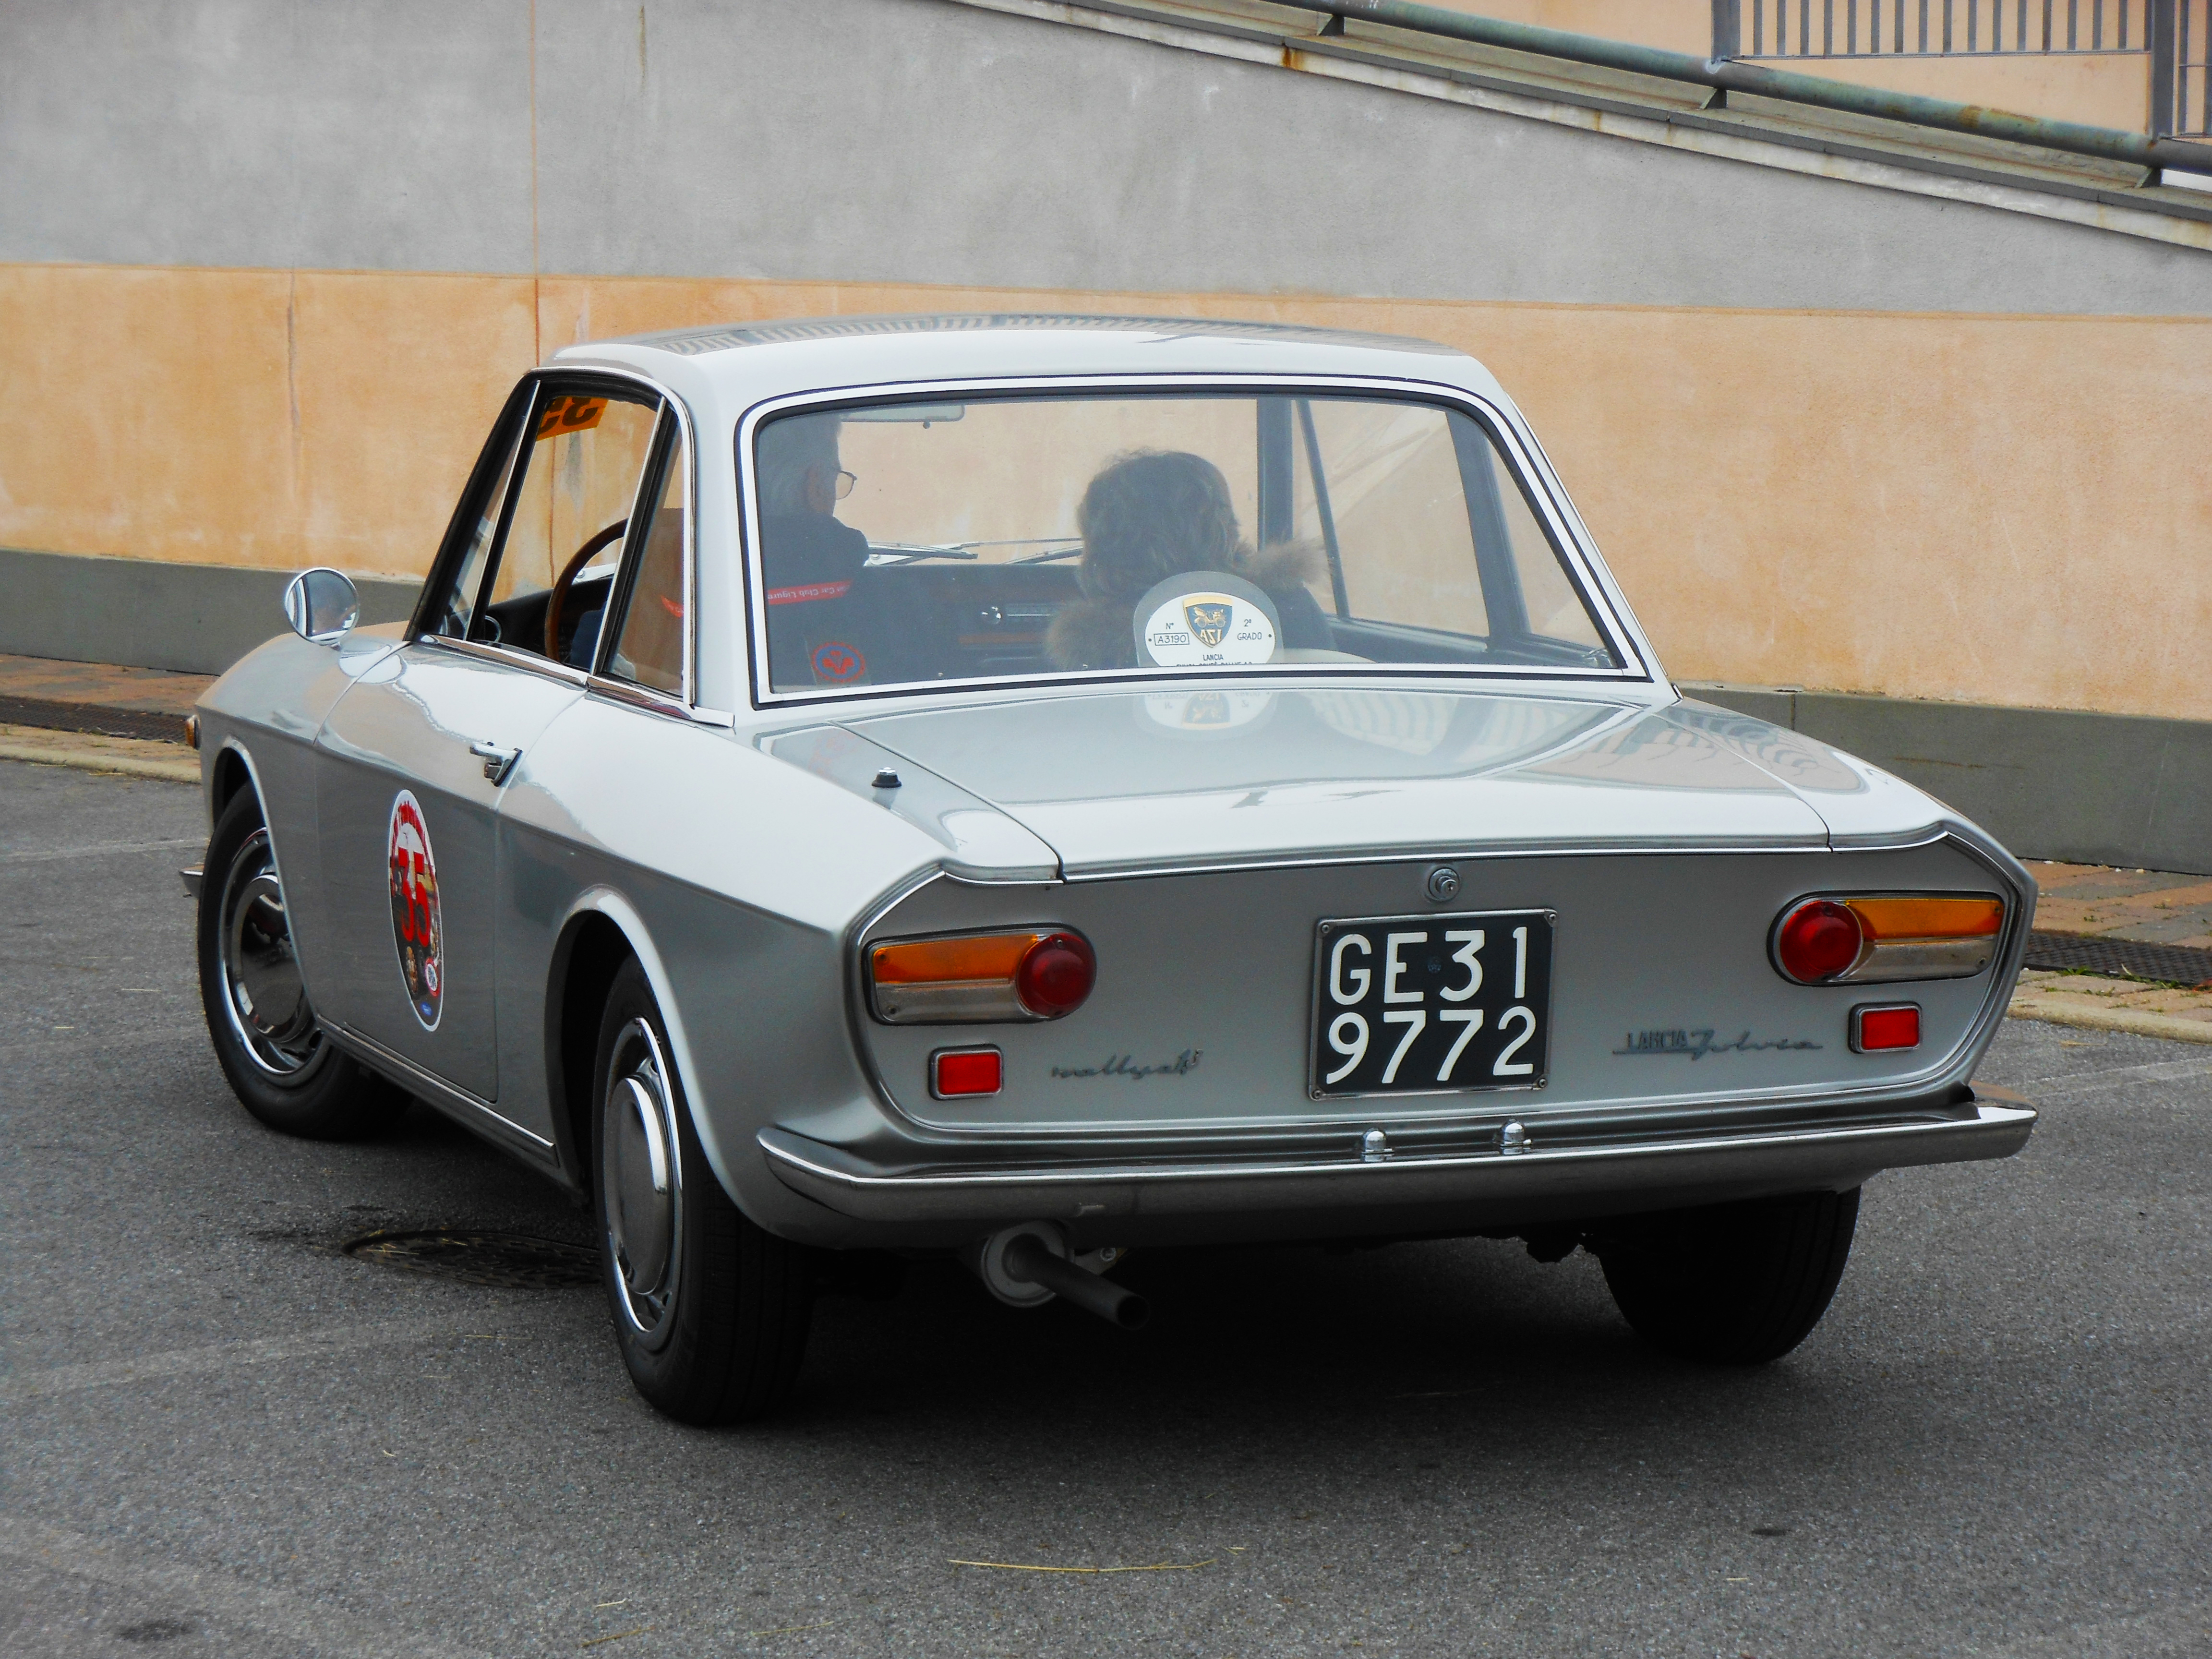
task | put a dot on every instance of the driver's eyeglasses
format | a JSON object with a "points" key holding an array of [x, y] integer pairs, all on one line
{"points": [[845, 482]]}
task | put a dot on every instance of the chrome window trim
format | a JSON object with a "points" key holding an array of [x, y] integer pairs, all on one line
{"points": [[644, 697], [507, 656], [686, 440], [1568, 534]]}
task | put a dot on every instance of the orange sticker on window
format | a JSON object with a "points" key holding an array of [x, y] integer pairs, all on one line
{"points": [[570, 414]]}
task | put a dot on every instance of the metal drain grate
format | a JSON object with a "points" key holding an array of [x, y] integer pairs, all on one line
{"points": [[513, 1262], [2174, 965]]}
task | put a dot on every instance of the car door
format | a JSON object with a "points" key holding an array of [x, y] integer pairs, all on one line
{"points": [[412, 762]]}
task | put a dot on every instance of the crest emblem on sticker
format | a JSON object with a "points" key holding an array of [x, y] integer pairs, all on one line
{"points": [[836, 662], [1209, 621], [417, 933]]}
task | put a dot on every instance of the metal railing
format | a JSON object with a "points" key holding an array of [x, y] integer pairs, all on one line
{"points": [[2153, 151], [1935, 28], [2171, 33]]}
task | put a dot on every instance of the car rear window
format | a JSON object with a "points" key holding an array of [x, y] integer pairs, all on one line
{"points": [[1036, 535]]}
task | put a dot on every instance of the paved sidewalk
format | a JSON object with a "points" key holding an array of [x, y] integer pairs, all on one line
{"points": [[2156, 907], [98, 697]]}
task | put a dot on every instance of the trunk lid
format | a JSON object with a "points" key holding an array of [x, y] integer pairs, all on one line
{"points": [[1124, 782]]}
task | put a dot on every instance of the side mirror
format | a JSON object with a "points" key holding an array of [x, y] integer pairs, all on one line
{"points": [[322, 606]]}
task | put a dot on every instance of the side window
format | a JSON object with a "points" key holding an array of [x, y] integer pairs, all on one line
{"points": [[452, 616], [571, 485], [649, 647]]}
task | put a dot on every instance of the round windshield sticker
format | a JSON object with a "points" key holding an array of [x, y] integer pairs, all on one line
{"points": [[415, 929], [837, 662], [1205, 619]]}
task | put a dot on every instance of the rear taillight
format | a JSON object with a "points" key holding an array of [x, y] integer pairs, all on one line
{"points": [[1857, 940], [1041, 974]]}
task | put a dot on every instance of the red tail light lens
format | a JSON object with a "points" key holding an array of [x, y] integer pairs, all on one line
{"points": [[1817, 940], [1056, 975]]}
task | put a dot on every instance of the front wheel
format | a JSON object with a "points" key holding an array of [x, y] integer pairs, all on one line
{"points": [[1732, 1285], [280, 1064], [710, 1311]]}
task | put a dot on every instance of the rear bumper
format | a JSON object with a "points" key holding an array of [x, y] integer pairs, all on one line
{"points": [[1618, 1170]]}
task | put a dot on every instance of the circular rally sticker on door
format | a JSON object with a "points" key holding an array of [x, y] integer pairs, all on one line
{"points": [[415, 930]]}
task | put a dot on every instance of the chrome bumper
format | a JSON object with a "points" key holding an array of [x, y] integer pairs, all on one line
{"points": [[1661, 1168]]}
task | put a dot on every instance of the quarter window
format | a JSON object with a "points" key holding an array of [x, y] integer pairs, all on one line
{"points": [[649, 650]]}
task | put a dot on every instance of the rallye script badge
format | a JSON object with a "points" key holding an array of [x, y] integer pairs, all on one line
{"points": [[415, 930]]}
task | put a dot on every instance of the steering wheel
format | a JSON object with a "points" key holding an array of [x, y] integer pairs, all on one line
{"points": [[559, 598]]}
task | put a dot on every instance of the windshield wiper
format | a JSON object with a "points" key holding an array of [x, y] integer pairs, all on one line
{"points": [[1072, 551], [911, 553]]}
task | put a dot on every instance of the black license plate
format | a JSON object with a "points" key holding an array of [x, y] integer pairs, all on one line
{"points": [[1434, 1004]]}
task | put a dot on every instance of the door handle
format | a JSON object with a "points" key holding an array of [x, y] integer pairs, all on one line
{"points": [[497, 762]]}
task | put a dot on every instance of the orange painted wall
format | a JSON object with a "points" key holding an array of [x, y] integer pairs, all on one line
{"points": [[1919, 505]]}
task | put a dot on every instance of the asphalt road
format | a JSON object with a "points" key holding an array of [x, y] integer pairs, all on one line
{"points": [[222, 1436]]}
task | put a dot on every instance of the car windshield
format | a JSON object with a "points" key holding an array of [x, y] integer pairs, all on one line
{"points": [[1020, 537]]}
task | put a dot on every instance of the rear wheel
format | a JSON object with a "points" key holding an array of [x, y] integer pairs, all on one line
{"points": [[710, 1311], [281, 1066], [1734, 1284]]}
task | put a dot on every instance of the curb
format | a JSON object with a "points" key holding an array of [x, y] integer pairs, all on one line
{"points": [[167, 763], [2080, 1012]]}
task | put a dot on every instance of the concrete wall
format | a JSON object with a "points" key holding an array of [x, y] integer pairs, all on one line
{"points": [[2091, 788], [265, 279], [198, 619]]}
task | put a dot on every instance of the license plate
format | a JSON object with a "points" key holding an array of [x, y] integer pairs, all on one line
{"points": [[1432, 1004]]}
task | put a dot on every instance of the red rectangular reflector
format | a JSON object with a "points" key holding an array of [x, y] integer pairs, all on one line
{"points": [[1886, 1028], [964, 1072]]}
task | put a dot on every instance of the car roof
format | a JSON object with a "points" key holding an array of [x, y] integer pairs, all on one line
{"points": [[743, 361]]}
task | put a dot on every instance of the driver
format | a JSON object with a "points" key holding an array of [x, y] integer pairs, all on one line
{"points": [[1153, 513], [809, 560]]}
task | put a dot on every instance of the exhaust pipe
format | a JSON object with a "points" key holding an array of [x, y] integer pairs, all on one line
{"points": [[1025, 1266]]}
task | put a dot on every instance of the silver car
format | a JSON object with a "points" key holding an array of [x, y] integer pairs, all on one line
{"points": [[1035, 787]]}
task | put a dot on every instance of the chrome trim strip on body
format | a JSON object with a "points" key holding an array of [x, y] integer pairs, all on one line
{"points": [[1852, 1153], [1569, 535], [1455, 854], [458, 1104]]}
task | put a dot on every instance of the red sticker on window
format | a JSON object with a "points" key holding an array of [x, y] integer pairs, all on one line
{"points": [[808, 594], [415, 930], [837, 662]]}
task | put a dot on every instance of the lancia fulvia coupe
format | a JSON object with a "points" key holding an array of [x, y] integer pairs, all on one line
{"points": [[1028, 788]]}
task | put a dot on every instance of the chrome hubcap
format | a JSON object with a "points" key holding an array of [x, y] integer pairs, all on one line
{"points": [[641, 1176], [262, 993]]}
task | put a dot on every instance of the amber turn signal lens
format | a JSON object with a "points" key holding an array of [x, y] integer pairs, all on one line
{"points": [[1817, 940], [1888, 919], [940, 961]]}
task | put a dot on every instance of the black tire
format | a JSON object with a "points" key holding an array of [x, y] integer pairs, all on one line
{"points": [[710, 1311], [281, 1066], [1735, 1285]]}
